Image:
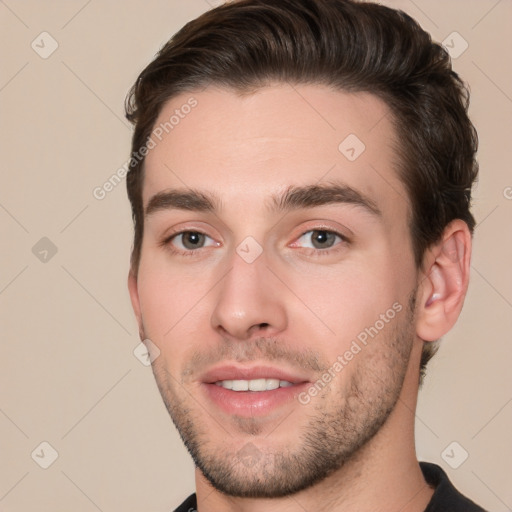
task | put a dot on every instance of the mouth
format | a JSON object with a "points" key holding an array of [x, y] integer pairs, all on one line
{"points": [[257, 385], [250, 392]]}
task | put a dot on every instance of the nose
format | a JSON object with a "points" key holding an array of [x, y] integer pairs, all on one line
{"points": [[249, 301]]}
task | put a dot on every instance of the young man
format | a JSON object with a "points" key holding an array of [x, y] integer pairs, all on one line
{"points": [[300, 183]]}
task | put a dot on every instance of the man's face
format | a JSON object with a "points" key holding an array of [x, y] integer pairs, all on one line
{"points": [[275, 247]]}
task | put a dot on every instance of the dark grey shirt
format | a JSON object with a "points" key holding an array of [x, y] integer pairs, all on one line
{"points": [[445, 498]]}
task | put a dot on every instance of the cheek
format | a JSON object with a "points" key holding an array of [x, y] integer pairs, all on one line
{"points": [[345, 300], [169, 305]]}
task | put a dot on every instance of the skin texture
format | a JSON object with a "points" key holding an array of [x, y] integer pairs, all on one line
{"points": [[299, 305]]}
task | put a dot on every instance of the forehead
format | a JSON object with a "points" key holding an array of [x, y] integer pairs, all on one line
{"points": [[248, 147]]}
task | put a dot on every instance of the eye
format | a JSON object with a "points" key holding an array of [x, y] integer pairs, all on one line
{"points": [[191, 240], [319, 239]]}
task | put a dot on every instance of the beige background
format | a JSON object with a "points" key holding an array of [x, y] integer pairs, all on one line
{"points": [[68, 375]]}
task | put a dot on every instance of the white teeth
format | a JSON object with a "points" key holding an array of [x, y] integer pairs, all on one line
{"points": [[272, 384], [239, 385], [257, 384], [254, 384]]}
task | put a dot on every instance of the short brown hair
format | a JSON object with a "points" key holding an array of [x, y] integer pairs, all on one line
{"points": [[351, 46]]}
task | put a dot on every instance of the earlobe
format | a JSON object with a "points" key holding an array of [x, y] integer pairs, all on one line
{"points": [[445, 283], [134, 297]]}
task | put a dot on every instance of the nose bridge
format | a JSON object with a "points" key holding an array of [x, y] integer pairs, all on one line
{"points": [[248, 298]]}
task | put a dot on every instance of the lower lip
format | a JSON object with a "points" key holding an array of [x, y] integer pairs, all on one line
{"points": [[251, 403]]}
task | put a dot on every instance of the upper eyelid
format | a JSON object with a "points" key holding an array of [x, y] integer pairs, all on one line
{"points": [[343, 237], [329, 229], [194, 230], [313, 223], [334, 232], [169, 238]]}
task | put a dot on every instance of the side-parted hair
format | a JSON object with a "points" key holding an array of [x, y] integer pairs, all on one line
{"points": [[345, 44]]}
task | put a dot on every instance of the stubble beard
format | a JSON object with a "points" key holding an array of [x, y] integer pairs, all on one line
{"points": [[340, 423]]}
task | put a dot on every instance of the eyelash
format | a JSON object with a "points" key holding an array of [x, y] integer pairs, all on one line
{"points": [[313, 252], [325, 252], [167, 243]]}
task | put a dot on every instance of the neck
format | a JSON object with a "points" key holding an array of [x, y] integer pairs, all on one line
{"points": [[384, 475]]}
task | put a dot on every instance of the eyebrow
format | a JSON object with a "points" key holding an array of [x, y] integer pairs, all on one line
{"points": [[193, 200], [293, 198]]}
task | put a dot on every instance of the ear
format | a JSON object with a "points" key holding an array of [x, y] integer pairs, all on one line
{"points": [[445, 282], [134, 297]]}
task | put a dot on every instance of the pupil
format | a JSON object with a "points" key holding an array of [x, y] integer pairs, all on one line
{"points": [[322, 239], [192, 240]]}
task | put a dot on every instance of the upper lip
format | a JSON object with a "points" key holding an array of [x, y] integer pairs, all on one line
{"points": [[231, 372]]}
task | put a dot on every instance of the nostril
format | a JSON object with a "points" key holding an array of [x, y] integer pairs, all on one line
{"points": [[263, 325]]}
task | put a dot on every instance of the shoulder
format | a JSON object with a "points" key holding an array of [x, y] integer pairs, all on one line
{"points": [[446, 497], [189, 505]]}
